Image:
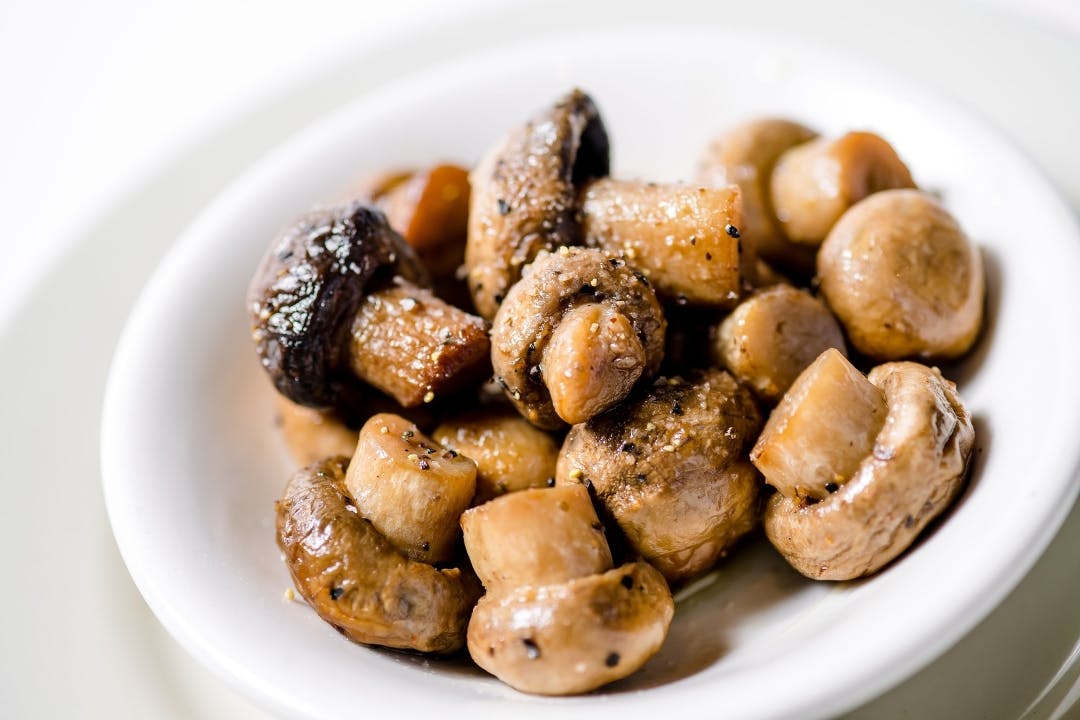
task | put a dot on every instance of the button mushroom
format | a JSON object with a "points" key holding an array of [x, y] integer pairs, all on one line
{"points": [[338, 292], [311, 434], [356, 580], [574, 335], [894, 471], [685, 238], [510, 453], [524, 194], [669, 465], [815, 182], [903, 278], [745, 156], [557, 619], [773, 336]]}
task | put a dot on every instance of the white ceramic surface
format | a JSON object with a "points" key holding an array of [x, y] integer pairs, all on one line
{"points": [[192, 465]]}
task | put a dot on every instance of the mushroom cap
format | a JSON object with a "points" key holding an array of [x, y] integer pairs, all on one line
{"points": [[555, 284], [575, 636], [524, 194], [356, 580], [903, 278], [915, 471], [669, 465], [307, 289]]}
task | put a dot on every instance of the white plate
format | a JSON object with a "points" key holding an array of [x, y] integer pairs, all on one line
{"points": [[192, 466]]}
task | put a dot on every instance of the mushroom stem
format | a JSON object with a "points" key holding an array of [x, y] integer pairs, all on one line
{"points": [[414, 346], [591, 361]]}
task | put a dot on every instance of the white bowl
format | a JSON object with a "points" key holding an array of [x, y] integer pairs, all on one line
{"points": [[192, 464]]}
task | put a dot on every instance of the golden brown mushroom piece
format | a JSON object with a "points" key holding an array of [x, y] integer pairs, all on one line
{"points": [[897, 457], [903, 278], [684, 238], [356, 580], [556, 619], [574, 335], [773, 336], [745, 156], [339, 298], [524, 194], [510, 453], [669, 465], [311, 434], [815, 182]]}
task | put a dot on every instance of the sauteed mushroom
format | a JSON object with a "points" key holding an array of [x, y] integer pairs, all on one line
{"points": [[903, 278], [914, 469], [556, 619], [669, 465], [356, 580], [524, 194], [574, 335], [338, 292], [815, 182]]}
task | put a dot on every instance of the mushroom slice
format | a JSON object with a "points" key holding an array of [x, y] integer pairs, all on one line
{"points": [[773, 336], [745, 155], [669, 465], [815, 182], [914, 472], [414, 346], [575, 636], [312, 434], [510, 452], [821, 430], [356, 580], [412, 489], [306, 292], [903, 278], [684, 238], [524, 194], [539, 536], [580, 328]]}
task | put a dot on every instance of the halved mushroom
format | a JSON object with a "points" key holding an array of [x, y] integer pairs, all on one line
{"points": [[815, 182], [524, 194], [916, 468], [556, 618], [669, 465], [773, 336], [574, 335], [684, 238], [745, 156], [510, 453], [903, 278], [322, 303], [356, 580], [412, 489]]}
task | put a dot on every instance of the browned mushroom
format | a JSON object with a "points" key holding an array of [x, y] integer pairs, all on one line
{"points": [[773, 336], [356, 580], [510, 453], [903, 278], [912, 465], [524, 194], [684, 238], [815, 182], [338, 297], [311, 434], [669, 465], [574, 335], [745, 156], [556, 618]]}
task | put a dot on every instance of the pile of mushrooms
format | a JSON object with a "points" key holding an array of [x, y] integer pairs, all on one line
{"points": [[528, 399]]}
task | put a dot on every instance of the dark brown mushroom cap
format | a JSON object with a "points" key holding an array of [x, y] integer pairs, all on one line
{"points": [[669, 466], [356, 580], [524, 194], [307, 289], [553, 285]]}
